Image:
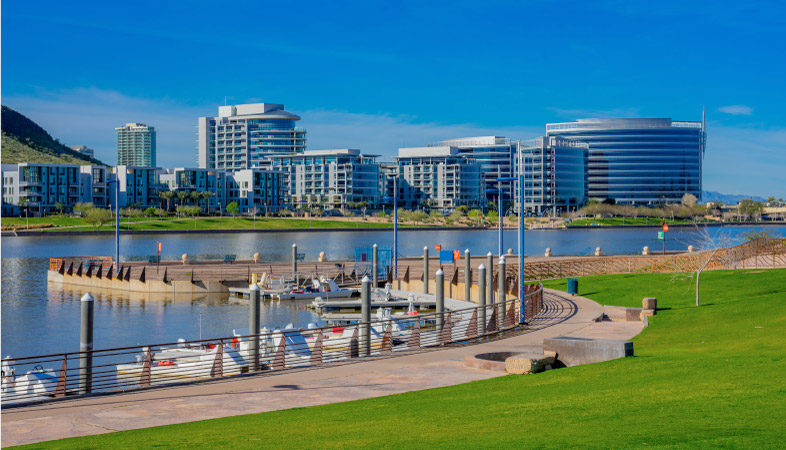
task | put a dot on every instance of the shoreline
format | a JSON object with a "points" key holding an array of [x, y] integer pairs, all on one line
{"points": [[49, 232]]}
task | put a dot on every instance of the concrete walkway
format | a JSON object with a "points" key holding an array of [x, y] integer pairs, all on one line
{"points": [[300, 387]]}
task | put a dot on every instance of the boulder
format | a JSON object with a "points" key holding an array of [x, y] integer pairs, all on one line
{"points": [[527, 363]]}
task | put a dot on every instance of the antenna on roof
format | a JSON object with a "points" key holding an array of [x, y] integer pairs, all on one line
{"points": [[225, 100]]}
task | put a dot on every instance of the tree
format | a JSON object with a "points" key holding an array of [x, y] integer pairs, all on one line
{"points": [[161, 212], [750, 208], [166, 196], [206, 196], [182, 196], [83, 207], [233, 208], [195, 196], [98, 216], [24, 203], [60, 207], [150, 212], [689, 200]]}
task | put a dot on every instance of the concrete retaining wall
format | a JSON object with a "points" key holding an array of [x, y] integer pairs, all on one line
{"points": [[573, 351]]}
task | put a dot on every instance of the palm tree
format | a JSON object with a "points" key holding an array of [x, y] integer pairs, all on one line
{"points": [[206, 195], [167, 196], [195, 196], [182, 196]]}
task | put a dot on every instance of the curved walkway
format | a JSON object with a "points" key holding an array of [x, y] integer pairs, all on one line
{"points": [[293, 388]]}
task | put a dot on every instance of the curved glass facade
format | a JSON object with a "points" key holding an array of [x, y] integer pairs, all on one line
{"points": [[639, 161]]}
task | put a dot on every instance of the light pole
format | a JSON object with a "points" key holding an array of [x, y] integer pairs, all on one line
{"points": [[499, 207], [522, 286], [117, 218]]}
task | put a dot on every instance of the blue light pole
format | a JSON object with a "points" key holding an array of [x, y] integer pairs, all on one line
{"points": [[500, 180], [117, 218]]}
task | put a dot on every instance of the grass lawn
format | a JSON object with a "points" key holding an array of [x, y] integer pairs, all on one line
{"points": [[626, 221], [708, 377], [202, 223]]}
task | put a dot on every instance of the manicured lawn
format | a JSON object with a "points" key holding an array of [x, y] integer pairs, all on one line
{"points": [[626, 221], [202, 223], [708, 377]]}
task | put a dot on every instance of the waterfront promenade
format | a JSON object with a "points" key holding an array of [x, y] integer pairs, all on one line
{"points": [[293, 388]]}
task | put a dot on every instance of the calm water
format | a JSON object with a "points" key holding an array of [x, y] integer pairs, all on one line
{"points": [[39, 318]]}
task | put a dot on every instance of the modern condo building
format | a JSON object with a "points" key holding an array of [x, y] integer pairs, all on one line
{"points": [[136, 145], [639, 161], [555, 175], [495, 157], [246, 136]]}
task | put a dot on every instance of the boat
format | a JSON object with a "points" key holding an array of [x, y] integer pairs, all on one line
{"points": [[186, 362], [322, 287], [36, 384]]}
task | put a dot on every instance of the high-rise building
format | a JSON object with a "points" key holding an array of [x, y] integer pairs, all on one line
{"points": [[136, 145], [438, 177], [494, 155], [555, 175], [639, 161], [245, 136]]}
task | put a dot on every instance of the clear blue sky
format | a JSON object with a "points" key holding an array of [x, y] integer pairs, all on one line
{"points": [[374, 75]]}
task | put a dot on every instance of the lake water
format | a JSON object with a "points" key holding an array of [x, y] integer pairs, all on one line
{"points": [[41, 318]]}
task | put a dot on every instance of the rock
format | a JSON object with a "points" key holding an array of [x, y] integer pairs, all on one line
{"points": [[649, 303], [527, 363]]}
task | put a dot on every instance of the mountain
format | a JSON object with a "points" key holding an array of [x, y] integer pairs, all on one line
{"points": [[24, 141], [727, 199]]}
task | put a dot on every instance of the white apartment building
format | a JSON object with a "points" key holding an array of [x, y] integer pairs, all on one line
{"points": [[332, 178], [438, 177], [136, 145], [246, 136]]}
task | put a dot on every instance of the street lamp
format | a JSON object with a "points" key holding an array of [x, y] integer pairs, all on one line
{"points": [[500, 180], [117, 217]]}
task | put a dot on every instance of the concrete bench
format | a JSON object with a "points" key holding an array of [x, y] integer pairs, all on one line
{"points": [[574, 351]]}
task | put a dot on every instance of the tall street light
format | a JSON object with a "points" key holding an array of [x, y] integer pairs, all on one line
{"points": [[117, 217], [500, 180]]}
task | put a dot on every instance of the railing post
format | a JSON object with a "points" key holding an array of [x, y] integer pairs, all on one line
{"points": [[425, 270], [294, 263], [365, 310], [440, 300], [490, 279], [86, 345], [482, 297], [375, 266], [467, 277], [253, 327], [502, 286]]}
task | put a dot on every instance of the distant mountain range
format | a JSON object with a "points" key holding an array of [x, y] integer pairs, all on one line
{"points": [[727, 199], [24, 141]]}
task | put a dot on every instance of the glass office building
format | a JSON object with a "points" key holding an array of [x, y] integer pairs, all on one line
{"points": [[555, 175], [246, 136], [639, 161]]}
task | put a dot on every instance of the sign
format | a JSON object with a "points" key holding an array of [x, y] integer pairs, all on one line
{"points": [[456, 255], [445, 257], [159, 246], [438, 247], [665, 227], [661, 235], [301, 256]]}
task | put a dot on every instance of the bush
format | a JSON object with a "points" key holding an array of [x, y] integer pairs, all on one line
{"points": [[150, 212], [98, 216]]}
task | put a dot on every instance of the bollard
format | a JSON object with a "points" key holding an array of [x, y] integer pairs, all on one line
{"points": [[375, 267], [253, 327], [365, 313], [502, 297], [425, 270], [294, 263], [86, 346], [467, 278], [482, 297], [440, 300], [490, 279]]}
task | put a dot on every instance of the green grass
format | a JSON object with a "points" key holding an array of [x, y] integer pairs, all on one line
{"points": [[211, 223], [708, 377], [626, 221]]}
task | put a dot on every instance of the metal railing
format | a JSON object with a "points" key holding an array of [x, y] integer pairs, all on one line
{"points": [[35, 379]]}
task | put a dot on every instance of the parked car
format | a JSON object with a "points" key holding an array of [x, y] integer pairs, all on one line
{"points": [[333, 213]]}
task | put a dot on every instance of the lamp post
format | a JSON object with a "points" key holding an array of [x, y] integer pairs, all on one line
{"points": [[116, 181], [500, 180]]}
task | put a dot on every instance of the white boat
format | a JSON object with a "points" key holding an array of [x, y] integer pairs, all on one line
{"points": [[322, 287], [36, 384], [185, 362]]}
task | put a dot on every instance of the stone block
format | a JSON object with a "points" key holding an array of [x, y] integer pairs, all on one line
{"points": [[573, 351], [649, 303], [527, 363], [619, 313]]}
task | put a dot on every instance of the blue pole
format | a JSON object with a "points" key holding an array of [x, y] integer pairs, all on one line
{"points": [[395, 228], [522, 286], [499, 208]]}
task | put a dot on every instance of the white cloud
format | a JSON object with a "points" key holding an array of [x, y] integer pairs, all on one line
{"points": [[736, 110]]}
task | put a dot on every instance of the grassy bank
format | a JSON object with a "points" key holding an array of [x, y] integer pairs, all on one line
{"points": [[708, 377], [618, 221], [201, 223]]}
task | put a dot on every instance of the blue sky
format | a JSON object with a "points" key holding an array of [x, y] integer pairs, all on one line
{"points": [[374, 75]]}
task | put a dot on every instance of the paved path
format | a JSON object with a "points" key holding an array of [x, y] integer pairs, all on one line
{"points": [[299, 387]]}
